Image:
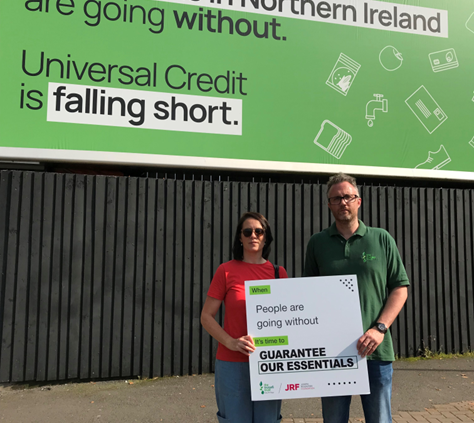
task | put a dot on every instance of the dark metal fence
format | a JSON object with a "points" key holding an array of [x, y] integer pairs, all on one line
{"points": [[104, 277]]}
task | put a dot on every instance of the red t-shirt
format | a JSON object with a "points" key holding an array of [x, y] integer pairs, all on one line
{"points": [[228, 285]]}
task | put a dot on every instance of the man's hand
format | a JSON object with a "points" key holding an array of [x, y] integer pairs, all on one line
{"points": [[368, 342]]}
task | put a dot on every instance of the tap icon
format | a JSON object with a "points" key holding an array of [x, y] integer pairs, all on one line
{"points": [[379, 103]]}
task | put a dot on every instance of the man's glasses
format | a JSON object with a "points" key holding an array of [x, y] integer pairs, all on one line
{"points": [[247, 232], [334, 201]]}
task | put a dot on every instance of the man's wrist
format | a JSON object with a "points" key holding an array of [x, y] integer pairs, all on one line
{"points": [[381, 327]]}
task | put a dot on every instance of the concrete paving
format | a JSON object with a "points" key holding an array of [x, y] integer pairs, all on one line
{"points": [[423, 391]]}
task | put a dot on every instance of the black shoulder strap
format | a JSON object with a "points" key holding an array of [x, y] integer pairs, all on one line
{"points": [[277, 271]]}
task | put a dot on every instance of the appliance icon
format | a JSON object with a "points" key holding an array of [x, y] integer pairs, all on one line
{"points": [[425, 108]]}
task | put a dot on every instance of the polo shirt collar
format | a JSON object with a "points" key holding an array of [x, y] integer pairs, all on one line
{"points": [[361, 230]]}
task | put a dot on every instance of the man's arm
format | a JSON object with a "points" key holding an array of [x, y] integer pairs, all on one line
{"points": [[373, 338]]}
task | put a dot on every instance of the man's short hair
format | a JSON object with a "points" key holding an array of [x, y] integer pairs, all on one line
{"points": [[342, 177]]}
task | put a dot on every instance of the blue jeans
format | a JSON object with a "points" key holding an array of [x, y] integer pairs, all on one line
{"points": [[233, 397], [377, 404]]}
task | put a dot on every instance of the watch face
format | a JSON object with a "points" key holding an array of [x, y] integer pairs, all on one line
{"points": [[381, 327]]}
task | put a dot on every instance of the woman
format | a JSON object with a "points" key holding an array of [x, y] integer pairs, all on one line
{"points": [[250, 250]]}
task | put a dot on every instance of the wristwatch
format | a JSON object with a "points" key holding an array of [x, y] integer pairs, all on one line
{"points": [[381, 327]]}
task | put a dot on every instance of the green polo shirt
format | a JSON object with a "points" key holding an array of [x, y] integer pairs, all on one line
{"points": [[372, 255]]}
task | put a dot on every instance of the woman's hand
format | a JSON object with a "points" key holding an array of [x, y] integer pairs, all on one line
{"points": [[244, 345]]}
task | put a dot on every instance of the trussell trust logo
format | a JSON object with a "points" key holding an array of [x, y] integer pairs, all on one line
{"points": [[367, 257], [265, 388]]}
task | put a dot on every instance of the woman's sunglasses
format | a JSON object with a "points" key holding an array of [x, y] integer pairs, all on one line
{"points": [[247, 232]]}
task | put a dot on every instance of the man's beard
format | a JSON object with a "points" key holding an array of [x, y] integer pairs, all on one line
{"points": [[346, 217]]}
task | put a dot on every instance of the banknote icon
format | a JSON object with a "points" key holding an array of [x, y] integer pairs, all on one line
{"points": [[332, 139]]}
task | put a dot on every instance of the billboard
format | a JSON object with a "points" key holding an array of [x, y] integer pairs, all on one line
{"points": [[367, 87]]}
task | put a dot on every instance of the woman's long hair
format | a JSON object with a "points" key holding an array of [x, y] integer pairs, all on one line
{"points": [[238, 249]]}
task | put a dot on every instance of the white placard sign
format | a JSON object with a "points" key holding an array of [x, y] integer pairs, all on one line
{"points": [[306, 332]]}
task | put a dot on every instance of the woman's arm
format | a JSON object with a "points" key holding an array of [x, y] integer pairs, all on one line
{"points": [[243, 344]]}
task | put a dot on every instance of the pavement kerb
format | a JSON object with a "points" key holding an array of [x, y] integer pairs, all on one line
{"points": [[444, 413]]}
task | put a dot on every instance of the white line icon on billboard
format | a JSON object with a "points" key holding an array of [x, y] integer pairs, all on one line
{"points": [[390, 58], [443, 60], [436, 160], [470, 23], [379, 103], [425, 108], [343, 74], [332, 139]]}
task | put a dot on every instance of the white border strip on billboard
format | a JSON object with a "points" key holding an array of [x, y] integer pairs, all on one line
{"points": [[190, 162]]}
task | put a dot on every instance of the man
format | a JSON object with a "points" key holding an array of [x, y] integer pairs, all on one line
{"points": [[350, 247]]}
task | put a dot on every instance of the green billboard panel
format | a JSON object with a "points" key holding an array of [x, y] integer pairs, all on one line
{"points": [[368, 87]]}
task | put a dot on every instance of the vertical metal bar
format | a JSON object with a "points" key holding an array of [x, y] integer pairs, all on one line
{"points": [[423, 302], [216, 257], [206, 272], [281, 241], [469, 251], [85, 244], [445, 259], [98, 293], [407, 247], [299, 247], [148, 277], [433, 316], [9, 272], [139, 284], [107, 304], [197, 278], [187, 237], [459, 264], [438, 274], [159, 302], [179, 306], [34, 276], [169, 287], [5, 199], [22, 263], [116, 347], [288, 216], [272, 219], [453, 279]]}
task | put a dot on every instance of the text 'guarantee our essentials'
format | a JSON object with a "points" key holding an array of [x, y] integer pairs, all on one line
{"points": [[302, 360]]}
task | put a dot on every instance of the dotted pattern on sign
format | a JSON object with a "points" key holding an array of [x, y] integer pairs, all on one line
{"points": [[341, 383], [348, 283]]}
